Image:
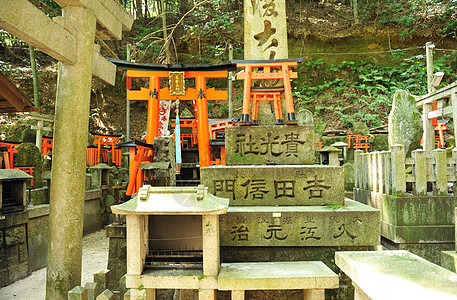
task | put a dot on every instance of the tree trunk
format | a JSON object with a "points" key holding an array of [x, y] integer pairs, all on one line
{"points": [[356, 11], [138, 9], [36, 94], [165, 35]]}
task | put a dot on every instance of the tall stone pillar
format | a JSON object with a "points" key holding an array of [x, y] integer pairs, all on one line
{"points": [[265, 38], [265, 30], [68, 167]]}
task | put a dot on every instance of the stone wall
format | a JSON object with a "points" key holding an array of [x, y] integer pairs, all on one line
{"points": [[38, 236], [13, 248], [92, 211]]}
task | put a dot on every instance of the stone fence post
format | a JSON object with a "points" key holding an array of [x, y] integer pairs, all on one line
{"points": [[380, 172], [440, 171], [387, 163], [78, 293], [101, 278], [398, 170], [420, 171], [358, 168], [106, 295]]}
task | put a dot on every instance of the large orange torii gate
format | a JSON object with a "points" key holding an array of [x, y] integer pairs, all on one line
{"points": [[154, 94]]}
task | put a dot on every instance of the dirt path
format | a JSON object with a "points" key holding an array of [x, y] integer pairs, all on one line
{"points": [[95, 257]]}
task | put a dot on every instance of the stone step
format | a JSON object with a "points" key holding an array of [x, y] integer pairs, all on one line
{"points": [[276, 276], [353, 224], [258, 145], [276, 185], [396, 275]]}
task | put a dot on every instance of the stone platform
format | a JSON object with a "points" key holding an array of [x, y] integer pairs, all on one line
{"points": [[354, 224], [281, 145], [276, 185]]}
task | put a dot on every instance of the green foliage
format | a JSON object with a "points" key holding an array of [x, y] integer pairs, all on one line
{"points": [[412, 14], [358, 91]]}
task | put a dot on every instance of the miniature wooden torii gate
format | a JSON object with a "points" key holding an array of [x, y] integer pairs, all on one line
{"points": [[178, 91], [69, 39], [444, 108]]}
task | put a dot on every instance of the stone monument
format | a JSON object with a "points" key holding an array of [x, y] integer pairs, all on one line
{"points": [[282, 207]]}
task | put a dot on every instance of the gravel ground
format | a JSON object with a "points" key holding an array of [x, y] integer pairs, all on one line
{"points": [[95, 257]]}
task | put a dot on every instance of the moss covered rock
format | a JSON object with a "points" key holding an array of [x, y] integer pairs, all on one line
{"points": [[29, 155], [405, 122]]}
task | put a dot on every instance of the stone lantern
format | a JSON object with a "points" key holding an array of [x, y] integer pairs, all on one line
{"points": [[330, 156]]}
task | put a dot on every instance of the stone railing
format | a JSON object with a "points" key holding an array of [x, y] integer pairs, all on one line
{"points": [[392, 173]]}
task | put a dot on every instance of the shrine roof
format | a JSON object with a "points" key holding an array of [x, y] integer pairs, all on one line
{"points": [[12, 99], [107, 135], [128, 65], [14, 174], [173, 201], [227, 65]]}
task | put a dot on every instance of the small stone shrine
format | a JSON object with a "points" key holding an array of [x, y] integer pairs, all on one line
{"points": [[284, 208], [173, 240]]}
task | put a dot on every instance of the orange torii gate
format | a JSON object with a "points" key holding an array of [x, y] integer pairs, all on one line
{"points": [[176, 91]]}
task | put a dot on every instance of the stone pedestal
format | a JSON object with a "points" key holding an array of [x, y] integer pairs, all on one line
{"points": [[282, 207]]}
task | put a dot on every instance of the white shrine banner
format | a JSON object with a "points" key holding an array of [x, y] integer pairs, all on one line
{"points": [[164, 117]]}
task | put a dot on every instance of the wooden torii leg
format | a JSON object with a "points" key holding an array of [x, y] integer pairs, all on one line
{"points": [[153, 110], [204, 151], [288, 96], [255, 109], [277, 107], [246, 96]]}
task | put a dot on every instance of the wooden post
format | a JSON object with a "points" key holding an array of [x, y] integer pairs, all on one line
{"points": [[230, 84], [398, 170], [153, 109], [429, 46], [429, 131], [420, 171], [204, 154], [453, 102], [127, 105], [246, 94], [440, 172]]}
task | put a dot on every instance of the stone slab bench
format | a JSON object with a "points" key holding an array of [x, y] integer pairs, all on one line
{"points": [[313, 277], [396, 275]]}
